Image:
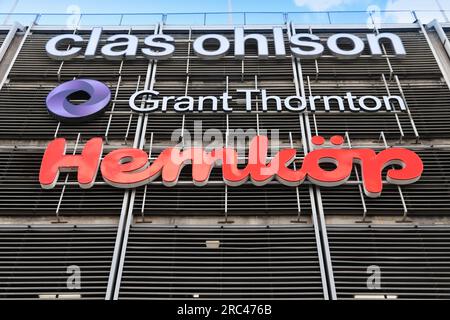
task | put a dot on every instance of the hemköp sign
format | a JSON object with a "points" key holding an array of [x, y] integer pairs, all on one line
{"points": [[130, 168]]}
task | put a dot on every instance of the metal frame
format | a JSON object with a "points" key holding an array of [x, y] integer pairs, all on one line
{"points": [[9, 38], [3, 81], [445, 43], [433, 50], [127, 213], [202, 17], [317, 214]]}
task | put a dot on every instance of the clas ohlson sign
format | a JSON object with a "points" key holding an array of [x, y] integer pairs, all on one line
{"points": [[161, 46], [131, 168]]}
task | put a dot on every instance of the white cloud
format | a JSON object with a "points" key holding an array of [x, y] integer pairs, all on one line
{"points": [[417, 5], [320, 5], [391, 5]]}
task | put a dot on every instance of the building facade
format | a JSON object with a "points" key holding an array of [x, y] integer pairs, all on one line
{"points": [[219, 241]]}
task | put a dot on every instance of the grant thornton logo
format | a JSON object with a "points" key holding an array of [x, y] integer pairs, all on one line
{"points": [[59, 106]]}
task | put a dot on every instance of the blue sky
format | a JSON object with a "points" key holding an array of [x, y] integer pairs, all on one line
{"points": [[212, 5], [121, 6], [179, 5]]}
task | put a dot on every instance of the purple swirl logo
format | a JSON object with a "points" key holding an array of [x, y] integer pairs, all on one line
{"points": [[62, 109]]}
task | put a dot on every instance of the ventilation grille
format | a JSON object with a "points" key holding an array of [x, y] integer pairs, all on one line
{"points": [[241, 263], [413, 261], [38, 261]]}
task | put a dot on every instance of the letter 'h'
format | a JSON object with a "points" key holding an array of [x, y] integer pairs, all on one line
{"points": [[55, 161]]}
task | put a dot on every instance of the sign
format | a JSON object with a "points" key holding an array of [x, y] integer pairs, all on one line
{"points": [[62, 109], [348, 102], [130, 168], [161, 46], [59, 106]]}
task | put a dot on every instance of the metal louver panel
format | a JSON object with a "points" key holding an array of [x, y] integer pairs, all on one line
{"points": [[37, 261], [23, 115], [2, 36], [226, 66], [271, 200], [419, 63], [447, 31], [21, 193], [22, 101], [428, 103], [414, 261], [238, 263], [428, 196], [33, 63]]}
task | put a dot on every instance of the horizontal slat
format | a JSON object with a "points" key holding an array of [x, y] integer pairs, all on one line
{"points": [[413, 261], [273, 262], [32, 263]]}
